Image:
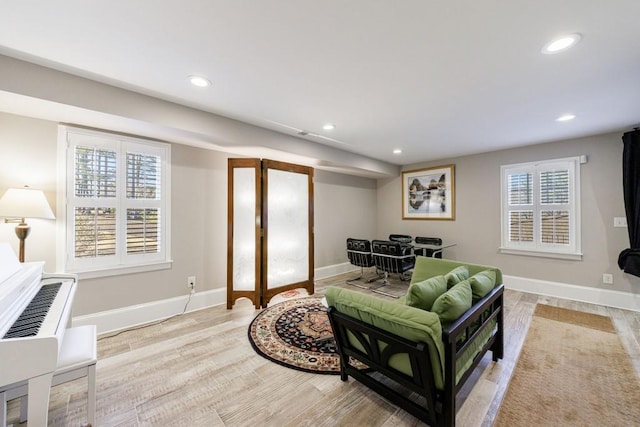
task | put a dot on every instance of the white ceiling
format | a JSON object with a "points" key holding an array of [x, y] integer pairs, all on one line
{"points": [[434, 78]]}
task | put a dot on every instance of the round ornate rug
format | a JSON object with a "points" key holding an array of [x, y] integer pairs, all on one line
{"points": [[297, 334]]}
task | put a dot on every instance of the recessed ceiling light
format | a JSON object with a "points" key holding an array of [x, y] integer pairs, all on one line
{"points": [[199, 81], [561, 43], [566, 117], [397, 151], [329, 126]]}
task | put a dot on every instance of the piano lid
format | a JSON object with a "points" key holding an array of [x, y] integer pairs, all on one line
{"points": [[9, 263]]}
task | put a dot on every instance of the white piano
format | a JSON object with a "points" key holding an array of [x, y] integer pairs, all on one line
{"points": [[35, 312]]}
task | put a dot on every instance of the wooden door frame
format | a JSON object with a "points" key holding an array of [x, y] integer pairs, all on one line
{"points": [[261, 295]]}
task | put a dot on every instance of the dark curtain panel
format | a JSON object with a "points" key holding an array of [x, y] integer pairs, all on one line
{"points": [[629, 259]]}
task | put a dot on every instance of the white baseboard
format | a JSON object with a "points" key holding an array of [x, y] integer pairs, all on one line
{"points": [[126, 317], [334, 270], [610, 298]]}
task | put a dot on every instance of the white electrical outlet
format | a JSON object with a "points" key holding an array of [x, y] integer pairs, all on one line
{"points": [[191, 283], [607, 279], [619, 221]]}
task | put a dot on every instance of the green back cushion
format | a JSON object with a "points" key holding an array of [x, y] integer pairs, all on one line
{"points": [[456, 276], [428, 267], [423, 294], [481, 284], [453, 303]]}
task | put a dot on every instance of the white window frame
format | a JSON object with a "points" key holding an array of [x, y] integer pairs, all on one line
{"points": [[570, 251], [121, 262]]}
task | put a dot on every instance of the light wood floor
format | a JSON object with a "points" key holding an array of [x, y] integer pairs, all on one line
{"points": [[198, 369]]}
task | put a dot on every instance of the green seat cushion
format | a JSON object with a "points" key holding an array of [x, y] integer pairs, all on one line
{"points": [[453, 303], [456, 276], [402, 320], [423, 294], [481, 284]]}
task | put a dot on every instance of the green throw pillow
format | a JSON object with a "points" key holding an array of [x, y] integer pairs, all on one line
{"points": [[423, 294], [456, 276], [453, 303], [482, 283]]}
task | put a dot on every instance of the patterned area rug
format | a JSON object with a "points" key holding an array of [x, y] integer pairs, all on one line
{"points": [[296, 333]]}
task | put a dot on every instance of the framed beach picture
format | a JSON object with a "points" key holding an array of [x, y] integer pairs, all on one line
{"points": [[429, 193]]}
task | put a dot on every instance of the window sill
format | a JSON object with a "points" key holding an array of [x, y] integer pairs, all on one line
{"points": [[120, 270], [542, 254]]}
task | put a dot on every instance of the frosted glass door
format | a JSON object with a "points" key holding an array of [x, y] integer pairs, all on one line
{"points": [[244, 218], [288, 229], [244, 250]]}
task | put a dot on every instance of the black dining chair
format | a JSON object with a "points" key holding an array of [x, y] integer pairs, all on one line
{"points": [[428, 252], [402, 238], [392, 257], [360, 255]]}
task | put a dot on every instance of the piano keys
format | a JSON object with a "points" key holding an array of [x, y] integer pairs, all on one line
{"points": [[30, 320], [35, 312]]}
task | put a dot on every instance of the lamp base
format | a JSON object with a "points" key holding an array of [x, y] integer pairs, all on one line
{"points": [[22, 231]]}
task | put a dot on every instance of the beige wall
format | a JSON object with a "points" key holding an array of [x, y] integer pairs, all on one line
{"points": [[27, 157], [198, 238], [476, 230], [28, 150], [345, 206]]}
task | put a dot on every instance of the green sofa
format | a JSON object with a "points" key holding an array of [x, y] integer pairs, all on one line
{"points": [[429, 341]]}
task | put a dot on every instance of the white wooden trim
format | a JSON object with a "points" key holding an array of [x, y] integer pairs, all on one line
{"points": [[61, 200], [116, 271], [541, 254], [126, 317], [69, 137], [334, 270], [608, 297], [536, 247]]}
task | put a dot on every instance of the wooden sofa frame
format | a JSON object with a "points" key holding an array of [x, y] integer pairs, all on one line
{"points": [[440, 406]]}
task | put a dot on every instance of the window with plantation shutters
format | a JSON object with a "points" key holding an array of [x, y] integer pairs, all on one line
{"points": [[541, 209], [143, 212], [117, 197]]}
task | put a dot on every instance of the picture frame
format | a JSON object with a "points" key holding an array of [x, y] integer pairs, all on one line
{"points": [[429, 193]]}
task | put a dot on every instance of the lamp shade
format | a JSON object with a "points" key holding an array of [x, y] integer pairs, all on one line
{"points": [[25, 203]]}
